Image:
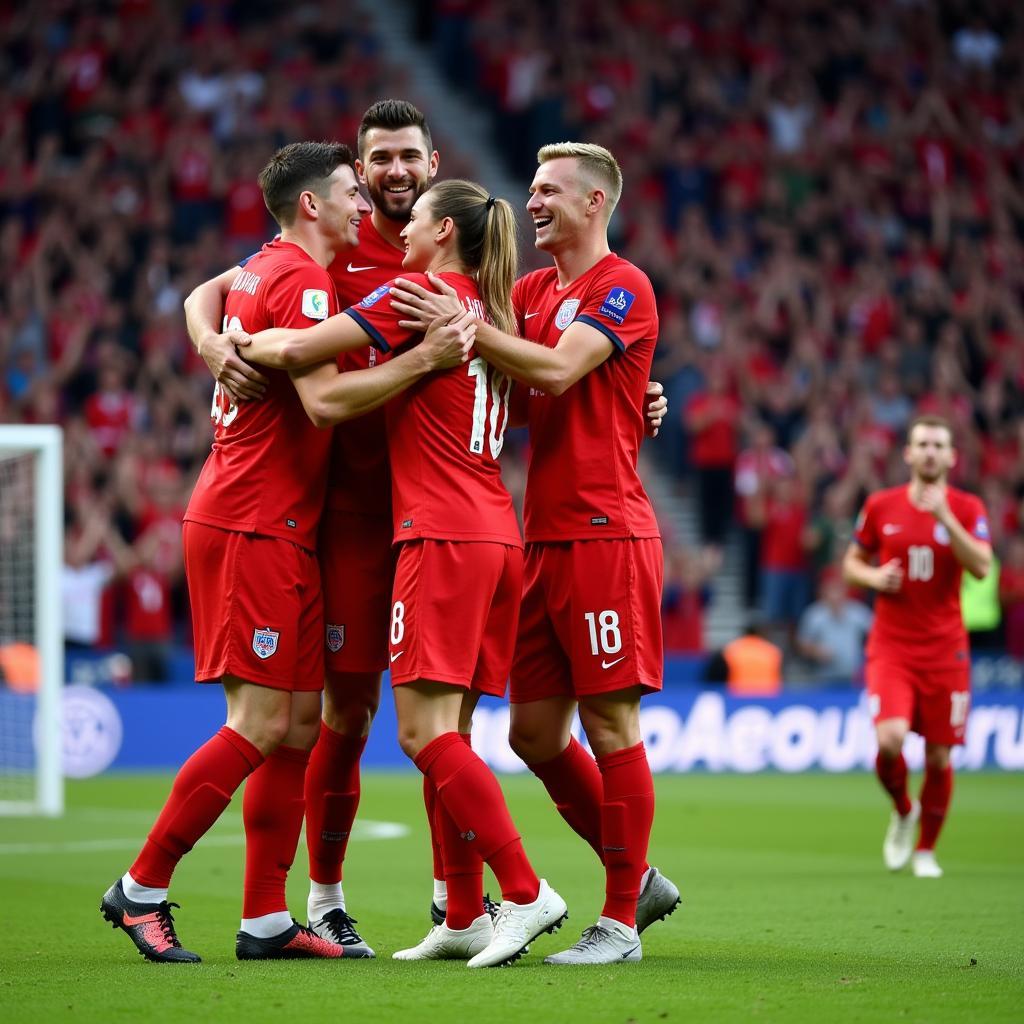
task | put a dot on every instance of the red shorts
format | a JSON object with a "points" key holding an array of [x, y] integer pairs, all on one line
{"points": [[590, 619], [356, 568], [456, 606], [257, 611], [934, 700]]}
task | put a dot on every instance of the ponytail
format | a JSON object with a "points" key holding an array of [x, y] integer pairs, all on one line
{"points": [[487, 242]]}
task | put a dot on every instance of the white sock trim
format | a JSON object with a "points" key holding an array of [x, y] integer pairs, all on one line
{"points": [[268, 925], [440, 894], [141, 893], [323, 898]]}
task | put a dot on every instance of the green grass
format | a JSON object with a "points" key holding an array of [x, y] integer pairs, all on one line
{"points": [[788, 915]]}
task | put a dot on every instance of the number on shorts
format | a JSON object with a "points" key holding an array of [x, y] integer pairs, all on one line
{"points": [[921, 562], [959, 702], [493, 383], [604, 629], [397, 623]]}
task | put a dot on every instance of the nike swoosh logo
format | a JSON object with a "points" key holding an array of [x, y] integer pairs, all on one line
{"points": [[355, 270], [128, 921], [629, 952], [528, 315], [887, 529], [608, 664], [395, 657]]}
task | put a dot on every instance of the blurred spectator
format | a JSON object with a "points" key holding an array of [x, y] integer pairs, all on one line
{"points": [[1011, 595], [832, 631], [688, 576], [750, 665]]}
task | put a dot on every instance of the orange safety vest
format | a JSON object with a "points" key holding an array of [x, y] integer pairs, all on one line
{"points": [[755, 667]]}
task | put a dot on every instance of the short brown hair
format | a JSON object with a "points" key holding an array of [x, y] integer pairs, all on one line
{"points": [[392, 116], [296, 168], [930, 419]]}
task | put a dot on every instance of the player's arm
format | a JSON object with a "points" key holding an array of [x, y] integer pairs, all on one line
{"points": [[204, 314], [331, 397], [859, 572], [974, 554], [292, 348]]}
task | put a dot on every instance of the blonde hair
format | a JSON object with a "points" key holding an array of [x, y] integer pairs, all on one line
{"points": [[487, 242], [595, 162]]}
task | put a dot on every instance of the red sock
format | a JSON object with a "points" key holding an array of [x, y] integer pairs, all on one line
{"points": [[463, 872], [332, 799], [892, 773], [935, 796], [202, 789], [272, 814], [430, 804], [627, 813], [471, 795]]}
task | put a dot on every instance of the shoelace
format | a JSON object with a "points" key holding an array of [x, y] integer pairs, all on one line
{"points": [[591, 937], [504, 923], [341, 928], [490, 906], [166, 920]]}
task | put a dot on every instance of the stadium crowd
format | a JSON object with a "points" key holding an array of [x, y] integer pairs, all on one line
{"points": [[830, 202], [828, 199]]}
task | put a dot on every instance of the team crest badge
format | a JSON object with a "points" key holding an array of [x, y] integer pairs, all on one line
{"points": [[566, 313], [335, 638], [264, 642], [941, 534]]}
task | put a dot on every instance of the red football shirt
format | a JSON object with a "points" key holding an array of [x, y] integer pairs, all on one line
{"points": [[444, 435], [582, 480], [359, 480], [924, 614], [267, 471]]}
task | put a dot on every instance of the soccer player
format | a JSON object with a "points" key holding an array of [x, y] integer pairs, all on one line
{"points": [[249, 543], [397, 164], [590, 626], [460, 561], [918, 672]]}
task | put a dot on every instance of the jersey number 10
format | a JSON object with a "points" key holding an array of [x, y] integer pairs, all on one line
{"points": [[492, 384]]}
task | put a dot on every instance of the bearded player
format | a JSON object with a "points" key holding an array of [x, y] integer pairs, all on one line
{"points": [[911, 546]]}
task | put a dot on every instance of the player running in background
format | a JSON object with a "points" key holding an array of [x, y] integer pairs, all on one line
{"points": [[397, 163], [460, 561], [918, 672], [590, 625]]}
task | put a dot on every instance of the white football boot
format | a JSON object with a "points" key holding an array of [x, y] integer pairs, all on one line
{"points": [[444, 943], [518, 924], [607, 942], [900, 837], [924, 864], [658, 898]]}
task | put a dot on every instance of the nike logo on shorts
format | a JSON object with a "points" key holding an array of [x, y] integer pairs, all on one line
{"points": [[355, 270], [608, 664], [396, 656]]}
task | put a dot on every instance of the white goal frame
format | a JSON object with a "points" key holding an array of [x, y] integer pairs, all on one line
{"points": [[46, 444]]}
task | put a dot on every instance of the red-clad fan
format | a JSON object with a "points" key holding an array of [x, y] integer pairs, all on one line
{"points": [[460, 560], [590, 629], [918, 673]]}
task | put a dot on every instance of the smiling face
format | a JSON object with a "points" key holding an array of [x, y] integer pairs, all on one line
{"points": [[559, 200], [396, 168], [930, 453], [420, 236], [342, 208]]}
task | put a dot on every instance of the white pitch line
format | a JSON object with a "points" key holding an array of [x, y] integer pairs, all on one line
{"points": [[364, 830]]}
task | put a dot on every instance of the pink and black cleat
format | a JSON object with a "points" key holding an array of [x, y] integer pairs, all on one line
{"points": [[149, 925], [296, 943]]}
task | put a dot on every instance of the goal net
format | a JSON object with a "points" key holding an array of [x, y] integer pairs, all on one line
{"points": [[31, 633]]}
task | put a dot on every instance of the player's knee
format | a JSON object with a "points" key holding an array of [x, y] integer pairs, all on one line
{"points": [[411, 740], [937, 757], [350, 703], [534, 745], [890, 741]]}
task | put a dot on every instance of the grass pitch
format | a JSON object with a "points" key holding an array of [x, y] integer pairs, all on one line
{"points": [[788, 915]]}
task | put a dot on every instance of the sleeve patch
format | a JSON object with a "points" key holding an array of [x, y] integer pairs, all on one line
{"points": [[375, 296], [315, 304], [617, 305], [981, 529]]}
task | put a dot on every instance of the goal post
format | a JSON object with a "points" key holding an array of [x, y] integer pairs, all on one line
{"points": [[31, 626]]}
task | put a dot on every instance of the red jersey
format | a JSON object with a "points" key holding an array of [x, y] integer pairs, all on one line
{"points": [[359, 480], [924, 614], [267, 471], [582, 480], [444, 435]]}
